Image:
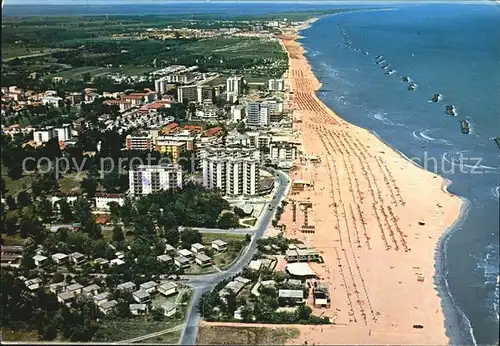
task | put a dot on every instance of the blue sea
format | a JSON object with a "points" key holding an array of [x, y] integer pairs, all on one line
{"points": [[451, 50], [454, 51]]}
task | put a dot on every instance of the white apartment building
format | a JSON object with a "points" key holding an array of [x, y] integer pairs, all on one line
{"points": [[234, 171], [44, 135], [187, 92], [234, 87], [276, 85], [253, 114], [237, 112], [145, 179], [161, 85], [283, 151], [62, 133]]}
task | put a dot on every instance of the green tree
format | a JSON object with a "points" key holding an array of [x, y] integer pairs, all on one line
{"points": [[228, 220], [118, 234], [231, 304], [11, 202], [158, 314], [89, 185], [10, 224], [45, 210], [303, 312], [189, 237], [23, 199], [65, 211]]}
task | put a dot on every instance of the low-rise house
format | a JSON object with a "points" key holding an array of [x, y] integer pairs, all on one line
{"points": [[58, 287], [291, 297], [234, 286], [149, 286], [219, 245], [164, 258], [255, 265], [77, 258], [197, 248], [295, 282], [169, 249], [126, 286], [169, 308], [291, 255], [181, 262], [237, 313], [321, 295], [101, 298], [141, 296], [33, 284], [91, 290], [243, 280], [8, 260], [168, 288], [138, 309], [75, 288], [101, 261], [116, 262], [39, 260], [65, 297], [119, 255], [185, 253], [268, 283], [107, 307], [203, 260], [102, 200], [60, 258]]}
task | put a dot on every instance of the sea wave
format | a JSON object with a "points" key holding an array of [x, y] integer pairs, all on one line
{"points": [[496, 191], [381, 117], [489, 265], [422, 136]]}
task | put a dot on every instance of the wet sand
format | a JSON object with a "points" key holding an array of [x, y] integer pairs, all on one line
{"points": [[377, 217]]}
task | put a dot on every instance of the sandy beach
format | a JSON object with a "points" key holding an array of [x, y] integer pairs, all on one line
{"points": [[377, 218]]}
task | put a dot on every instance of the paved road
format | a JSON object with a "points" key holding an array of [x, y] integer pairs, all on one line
{"points": [[205, 283]]}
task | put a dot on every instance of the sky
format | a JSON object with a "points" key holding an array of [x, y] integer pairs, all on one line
{"points": [[115, 2]]}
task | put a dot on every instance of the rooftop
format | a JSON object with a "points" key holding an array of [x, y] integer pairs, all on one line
{"points": [[109, 305], [300, 269], [202, 257], [299, 294]]}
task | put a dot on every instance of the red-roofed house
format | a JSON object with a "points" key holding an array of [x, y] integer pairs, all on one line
{"points": [[169, 128], [123, 104], [102, 199], [193, 128], [213, 132]]}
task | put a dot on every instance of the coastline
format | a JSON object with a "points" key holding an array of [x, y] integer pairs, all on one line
{"points": [[383, 325]]}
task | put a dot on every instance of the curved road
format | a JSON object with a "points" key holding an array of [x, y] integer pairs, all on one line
{"points": [[205, 283]]}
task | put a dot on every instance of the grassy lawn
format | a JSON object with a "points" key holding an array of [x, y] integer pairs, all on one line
{"points": [[196, 269], [13, 239], [71, 182], [209, 237], [19, 335], [123, 329], [210, 335], [223, 260], [169, 338], [14, 186]]}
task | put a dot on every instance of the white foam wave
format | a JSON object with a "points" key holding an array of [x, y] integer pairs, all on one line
{"points": [[422, 136], [489, 265], [496, 191], [381, 117]]}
